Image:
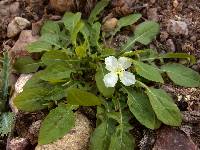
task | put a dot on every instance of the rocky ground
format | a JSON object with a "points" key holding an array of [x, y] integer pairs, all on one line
{"points": [[20, 23]]}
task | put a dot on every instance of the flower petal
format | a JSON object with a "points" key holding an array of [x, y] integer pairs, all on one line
{"points": [[111, 63], [127, 78], [110, 79], [124, 62]]}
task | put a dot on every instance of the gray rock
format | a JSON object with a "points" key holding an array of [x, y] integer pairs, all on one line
{"points": [[177, 28], [16, 26], [152, 14], [76, 139], [171, 45]]}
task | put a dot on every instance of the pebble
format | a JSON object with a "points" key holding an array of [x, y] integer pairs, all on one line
{"points": [[109, 24], [16, 26], [152, 14], [18, 144], [62, 5], [163, 36], [170, 44], [177, 28]]}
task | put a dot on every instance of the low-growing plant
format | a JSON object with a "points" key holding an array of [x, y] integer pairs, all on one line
{"points": [[6, 118], [78, 69]]}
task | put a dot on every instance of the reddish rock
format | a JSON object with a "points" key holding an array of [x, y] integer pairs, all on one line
{"points": [[18, 144], [173, 139], [25, 38]]}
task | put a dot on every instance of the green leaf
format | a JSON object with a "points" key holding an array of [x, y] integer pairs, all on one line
{"points": [[147, 71], [81, 50], [107, 92], [182, 75], [38, 46], [100, 138], [95, 34], [50, 27], [6, 123], [141, 108], [57, 72], [126, 21], [71, 20], [54, 56], [51, 39], [122, 139], [75, 32], [26, 65], [82, 98], [97, 9], [56, 124], [31, 99], [144, 34], [164, 107]]}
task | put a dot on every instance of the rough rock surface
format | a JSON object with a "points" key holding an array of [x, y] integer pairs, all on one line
{"points": [[21, 81], [76, 139], [16, 26], [26, 37], [172, 139], [177, 27], [18, 144]]}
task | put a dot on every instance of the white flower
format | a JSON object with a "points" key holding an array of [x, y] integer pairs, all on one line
{"points": [[117, 68]]}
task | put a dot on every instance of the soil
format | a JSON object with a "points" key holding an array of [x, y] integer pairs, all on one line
{"points": [[187, 11]]}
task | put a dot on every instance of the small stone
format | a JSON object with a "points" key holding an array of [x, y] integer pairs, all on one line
{"points": [[18, 144], [109, 25], [177, 28], [175, 3], [193, 38], [169, 138], [77, 138], [21, 81], [198, 43], [152, 14], [163, 36], [171, 45], [26, 37], [62, 5], [16, 26], [152, 1]]}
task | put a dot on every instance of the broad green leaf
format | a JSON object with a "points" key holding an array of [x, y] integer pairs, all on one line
{"points": [[97, 9], [147, 71], [81, 50], [126, 21], [50, 27], [51, 39], [38, 46], [164, 107], [71, 20], [56, 124], [26, 65], [31, 99], [6, 123], [107, 92], [57, 72], [82, 98], [182, 75], [95, 34], [75, 32], [141, 108], [144, 34], [100, 138], [54, 56], [122, 140]]}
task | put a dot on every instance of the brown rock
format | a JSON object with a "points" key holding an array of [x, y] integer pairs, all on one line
{"points": [[173, 139], [18, 144], [16, 26], [76, 139], [26, 37], [109, 24], [171, 45], [62, 5], [163, 36]]}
